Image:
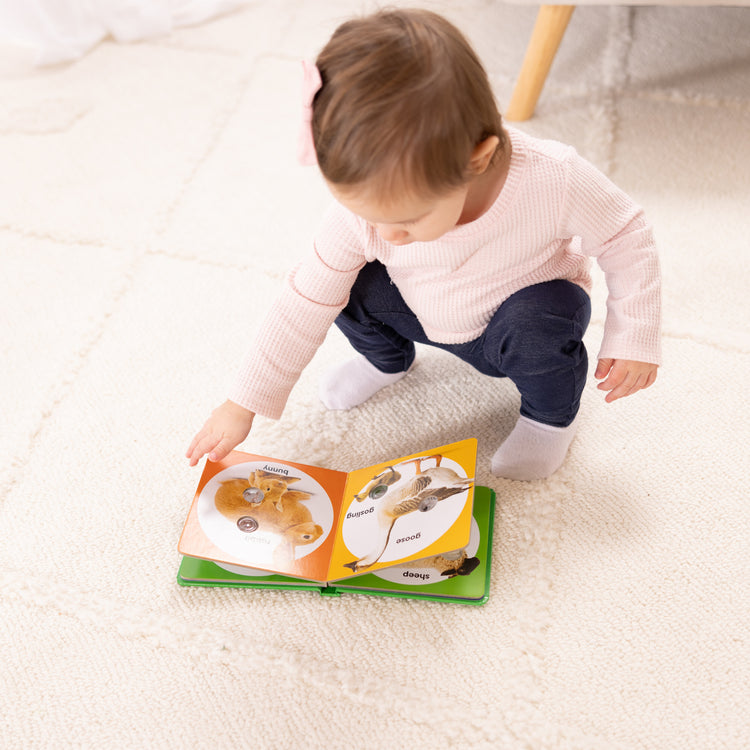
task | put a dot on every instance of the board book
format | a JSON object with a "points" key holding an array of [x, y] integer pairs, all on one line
{"points": [[415, 526]]}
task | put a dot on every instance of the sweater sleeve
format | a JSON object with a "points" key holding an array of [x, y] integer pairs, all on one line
{"points": [[614, 230], [296, 324]]}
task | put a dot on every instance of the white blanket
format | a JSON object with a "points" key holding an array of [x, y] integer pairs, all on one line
{"points": [[45, 32]]}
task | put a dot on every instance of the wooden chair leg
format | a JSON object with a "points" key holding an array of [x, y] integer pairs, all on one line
{"points": [[548, 32]]}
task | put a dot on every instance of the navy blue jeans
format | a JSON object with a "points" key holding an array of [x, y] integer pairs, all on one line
{"points": [[534, 339]]}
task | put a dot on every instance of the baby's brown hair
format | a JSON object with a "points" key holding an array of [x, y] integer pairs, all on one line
{"points": [[404, 102]]}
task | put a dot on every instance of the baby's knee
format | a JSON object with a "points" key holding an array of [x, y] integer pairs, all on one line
{"points": [[539, 327]]}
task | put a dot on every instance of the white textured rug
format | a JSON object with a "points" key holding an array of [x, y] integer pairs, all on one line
{"points": [[145, 200]]}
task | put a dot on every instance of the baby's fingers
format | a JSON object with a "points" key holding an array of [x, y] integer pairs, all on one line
{"points": [[626, 378], [222, 449], [603, 367], [202, 443], [228, 425], [193, 444], [625, 387]]}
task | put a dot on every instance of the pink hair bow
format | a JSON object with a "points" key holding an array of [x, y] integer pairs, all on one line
{"points": [[311, 84]]}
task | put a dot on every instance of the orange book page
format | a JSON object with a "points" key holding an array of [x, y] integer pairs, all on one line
{"points": [[405, 510], [261, 513]]}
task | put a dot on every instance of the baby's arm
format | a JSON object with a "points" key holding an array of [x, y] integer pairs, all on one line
{"points": [[228, 426], [293, 329], [624, 377], [613, 228]]}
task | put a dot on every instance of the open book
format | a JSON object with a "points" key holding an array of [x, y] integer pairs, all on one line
{"points": [[394, 527]]}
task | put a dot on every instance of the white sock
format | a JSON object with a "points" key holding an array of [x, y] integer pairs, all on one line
{"points": [[351, 383], [533, 450]]}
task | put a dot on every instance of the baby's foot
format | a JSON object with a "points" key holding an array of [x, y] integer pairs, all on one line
{"points": [[351, 383], [533, 450]]}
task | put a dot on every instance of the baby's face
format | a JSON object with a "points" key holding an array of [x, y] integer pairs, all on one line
{"points": [[411, 219]]}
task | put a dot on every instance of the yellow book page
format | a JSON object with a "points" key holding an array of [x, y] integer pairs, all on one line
{"points": [[404, 510]]}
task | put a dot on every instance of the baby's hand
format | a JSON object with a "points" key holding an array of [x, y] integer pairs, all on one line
{"points": [[227, 426], [624, 377]]}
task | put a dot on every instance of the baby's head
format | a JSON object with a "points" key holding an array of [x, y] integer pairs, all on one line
{"points": [[404, 107]]}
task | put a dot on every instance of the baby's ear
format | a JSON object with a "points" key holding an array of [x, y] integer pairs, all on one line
{"points": [[482, 154]]}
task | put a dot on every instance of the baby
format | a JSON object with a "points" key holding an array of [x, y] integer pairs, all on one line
{"points": [[451, 230]]}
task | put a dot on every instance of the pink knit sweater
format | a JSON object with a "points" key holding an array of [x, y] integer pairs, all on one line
{"points": [[555, 210]]}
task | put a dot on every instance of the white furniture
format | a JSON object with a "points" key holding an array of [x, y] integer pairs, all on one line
{"points": [[548, 32]]}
